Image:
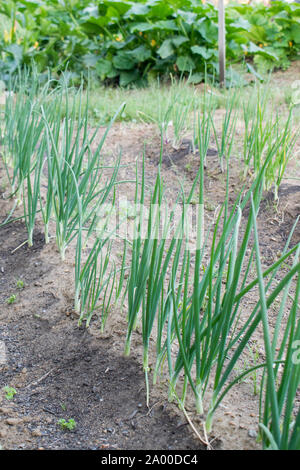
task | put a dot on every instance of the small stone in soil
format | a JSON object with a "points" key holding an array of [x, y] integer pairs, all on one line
{"points": [[252, 433]]}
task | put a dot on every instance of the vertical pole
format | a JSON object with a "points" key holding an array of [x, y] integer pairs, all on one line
{"points": [[221, 39]]}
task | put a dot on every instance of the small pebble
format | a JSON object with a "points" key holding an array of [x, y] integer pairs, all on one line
{"points": [[252, 433]]}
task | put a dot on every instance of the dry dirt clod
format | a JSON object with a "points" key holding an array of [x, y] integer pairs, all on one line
{"points": [[36, 432], [5, 411], [13, 421]]}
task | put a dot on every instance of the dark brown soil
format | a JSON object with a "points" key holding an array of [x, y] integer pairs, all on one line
{"points": [[275, 219]]}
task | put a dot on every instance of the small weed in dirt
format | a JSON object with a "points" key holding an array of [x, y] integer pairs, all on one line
{"points": [[11, 299], [9, 392], [20, 284], [69, 425]]}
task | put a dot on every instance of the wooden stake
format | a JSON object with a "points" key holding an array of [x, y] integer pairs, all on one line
{"points": [[222, 47]]}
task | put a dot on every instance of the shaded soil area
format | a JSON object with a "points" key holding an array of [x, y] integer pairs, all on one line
{"points": [[283, 214]]}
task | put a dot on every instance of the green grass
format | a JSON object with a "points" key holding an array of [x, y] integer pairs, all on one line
{"points": [[143, 104]]}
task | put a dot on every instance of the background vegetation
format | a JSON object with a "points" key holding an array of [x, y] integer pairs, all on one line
{"points": [[128, 42]]}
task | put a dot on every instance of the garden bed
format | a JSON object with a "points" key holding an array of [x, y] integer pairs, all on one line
{"points": [[63, 370]]}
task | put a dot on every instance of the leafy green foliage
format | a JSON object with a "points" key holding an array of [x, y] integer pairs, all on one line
{"points": [[127, 41]]}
